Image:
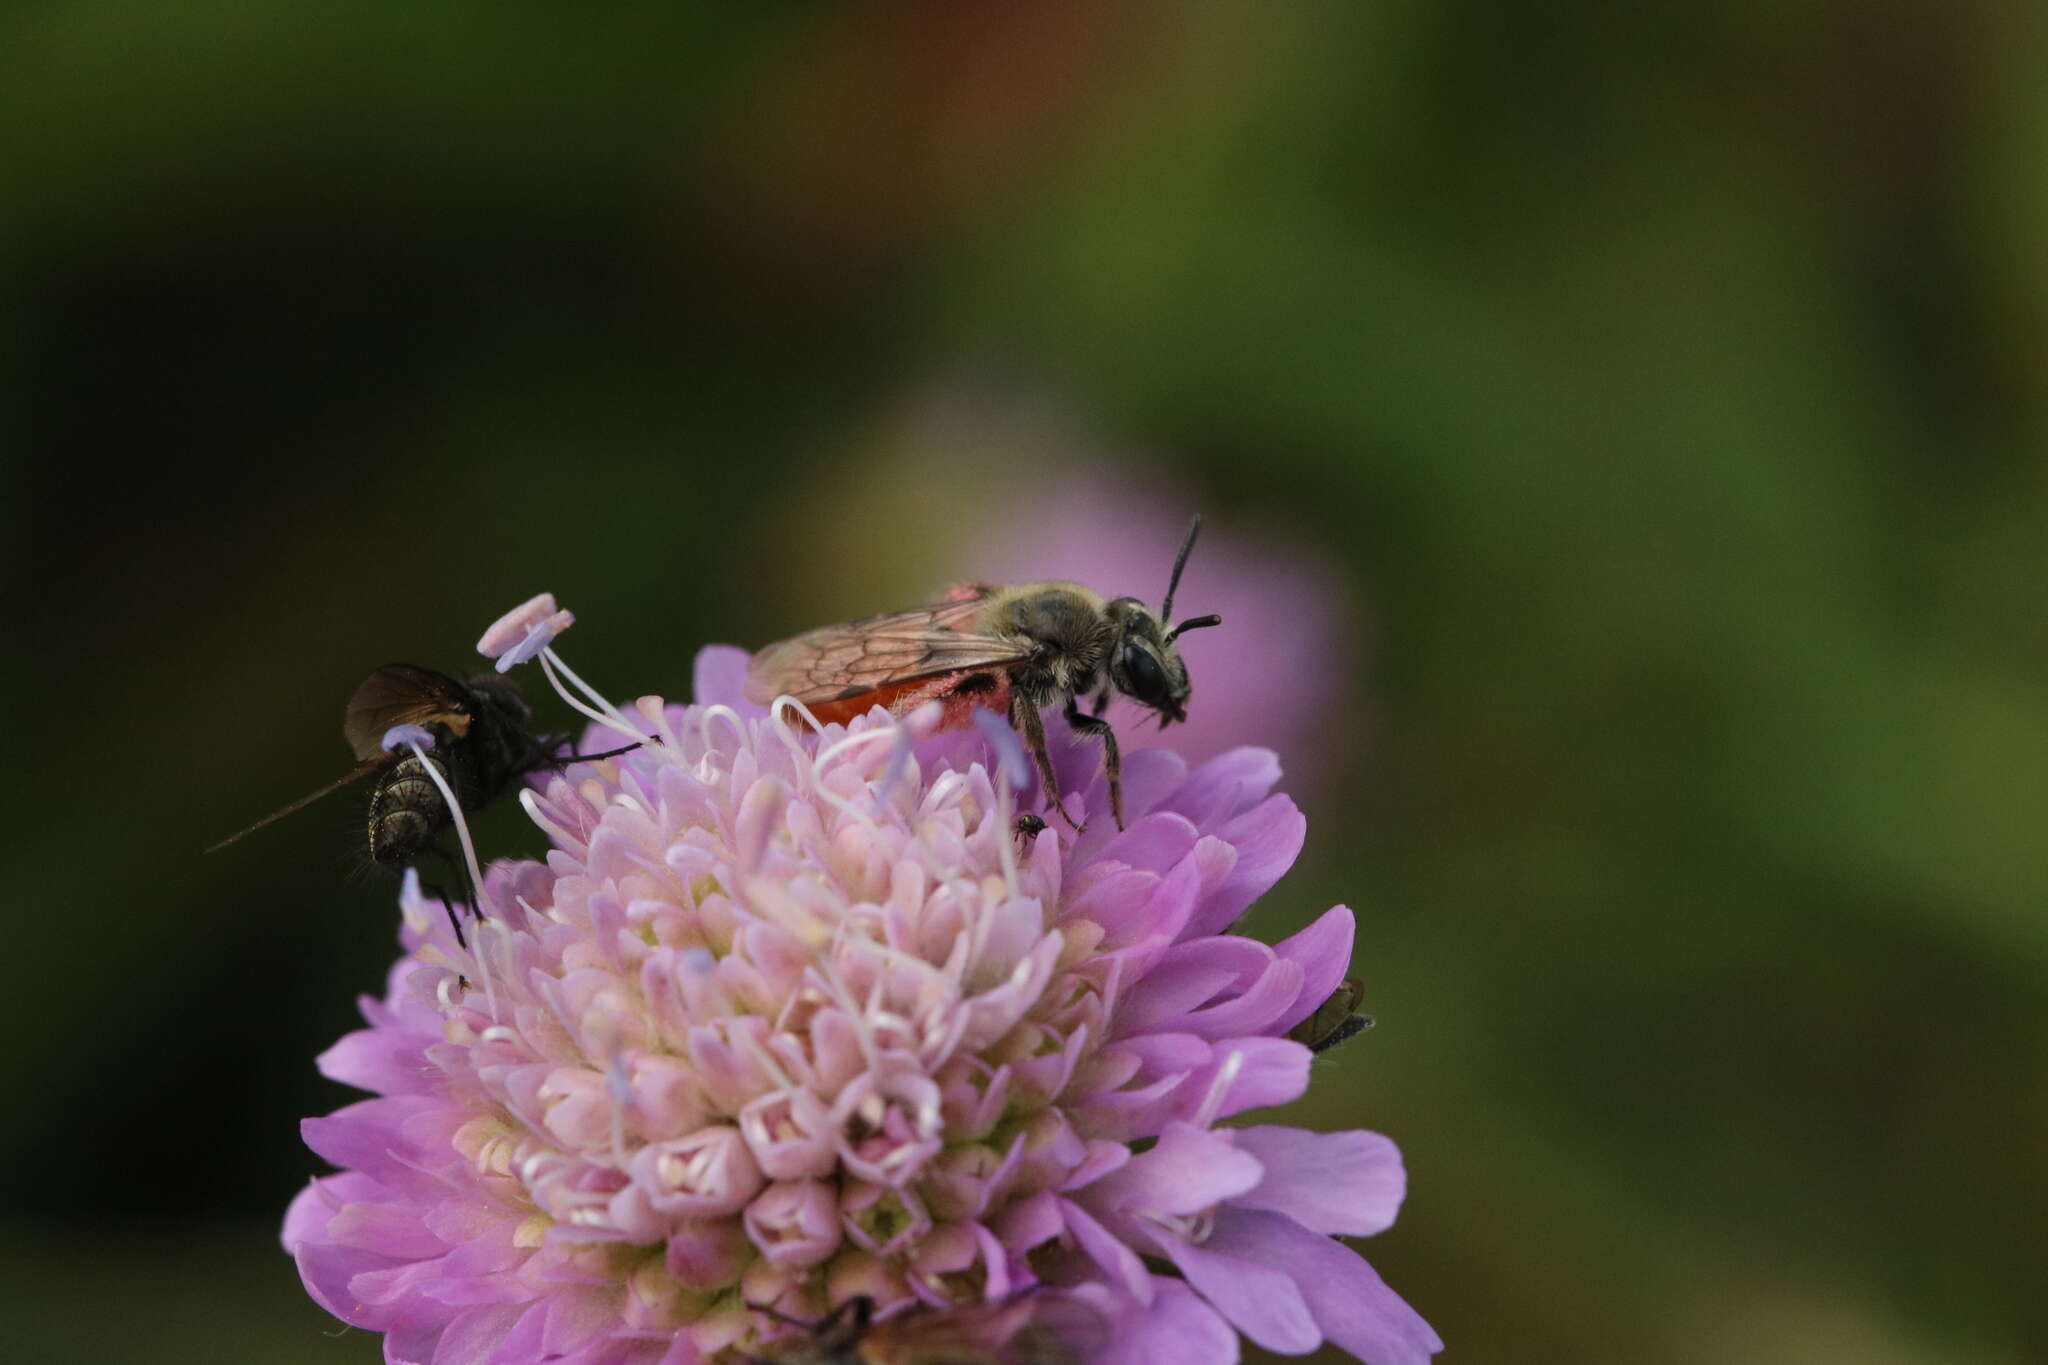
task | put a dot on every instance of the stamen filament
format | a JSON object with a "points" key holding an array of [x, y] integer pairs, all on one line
{"points": [[610, 716], [481, 910]]}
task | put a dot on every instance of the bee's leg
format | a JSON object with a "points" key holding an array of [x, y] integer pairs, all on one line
{"points": [[1112, 761], [1025, 717], [1102, 701]]}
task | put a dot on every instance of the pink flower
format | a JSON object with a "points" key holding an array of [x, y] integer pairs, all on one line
{"points": [[787, 1020]]}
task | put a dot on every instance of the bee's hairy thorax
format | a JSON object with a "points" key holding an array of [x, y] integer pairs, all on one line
{"points": [[1069, 636]]}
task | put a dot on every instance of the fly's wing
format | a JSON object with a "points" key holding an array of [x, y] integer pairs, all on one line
{"points": [[356, 774], [402, 694], [840, 663]]}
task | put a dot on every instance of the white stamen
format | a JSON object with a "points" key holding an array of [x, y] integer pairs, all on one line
{"points": [[730, 717], [813, 765], [1219, 1089], [609, 716], [762, 1057], [481, 909], [621, 1088], [1006, 840]]}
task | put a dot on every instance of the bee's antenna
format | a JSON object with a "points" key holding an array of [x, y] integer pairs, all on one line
{"points": [[1193, 623], [1180, 561]]}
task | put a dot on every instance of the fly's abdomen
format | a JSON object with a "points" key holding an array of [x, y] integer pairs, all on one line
{"points": [[406, 812]]}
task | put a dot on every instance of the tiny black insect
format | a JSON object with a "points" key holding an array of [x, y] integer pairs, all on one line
{"points": [[1335, 1020]]}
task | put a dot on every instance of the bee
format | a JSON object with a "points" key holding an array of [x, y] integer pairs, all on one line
{"points": [[1015, 650], [984, 1334], [1335, 1020], [484, 743]]}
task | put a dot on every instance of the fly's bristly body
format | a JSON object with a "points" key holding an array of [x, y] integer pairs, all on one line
{"points": [[1015, 650], [483, 745]]}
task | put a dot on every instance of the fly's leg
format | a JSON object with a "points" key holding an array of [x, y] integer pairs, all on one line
{"points": [[440, 893], [461, 870], [1112, 761], [545, 757]]}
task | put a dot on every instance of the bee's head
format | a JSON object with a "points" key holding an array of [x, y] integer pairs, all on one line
{"points": [[1143, 664]]}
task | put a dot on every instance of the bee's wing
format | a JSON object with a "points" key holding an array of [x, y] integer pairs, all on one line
{"points": [[1018, 1331], [356, 774], [836, 663], [1061, 1331], [402, 694]]}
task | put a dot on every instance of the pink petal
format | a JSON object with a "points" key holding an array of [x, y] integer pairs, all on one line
{"points": [[1178, 984], [1117, 1260], [1353, 1307], [1185, 1172], [1260, 1300], [383, 1060], [1268, 839], [414, 1339], [1154, 843], [1349, 1184], [369, 1137], [522, 1344], [1214, 988], [1178, 1329], [1323, 951], [386, 1229], [311, 1208], [1271, 1071], [720, 679], [474, 1333], [1226, 786], [327, 1271], [578, 1316]]}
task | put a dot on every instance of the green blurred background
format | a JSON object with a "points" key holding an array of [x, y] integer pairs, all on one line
{"points": [[1670, 384]]}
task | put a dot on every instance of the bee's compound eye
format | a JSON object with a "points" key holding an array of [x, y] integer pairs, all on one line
{"points": [[1147, 678]]}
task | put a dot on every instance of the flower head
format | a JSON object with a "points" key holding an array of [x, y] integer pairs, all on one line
{"points": [[788, 1020]]}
